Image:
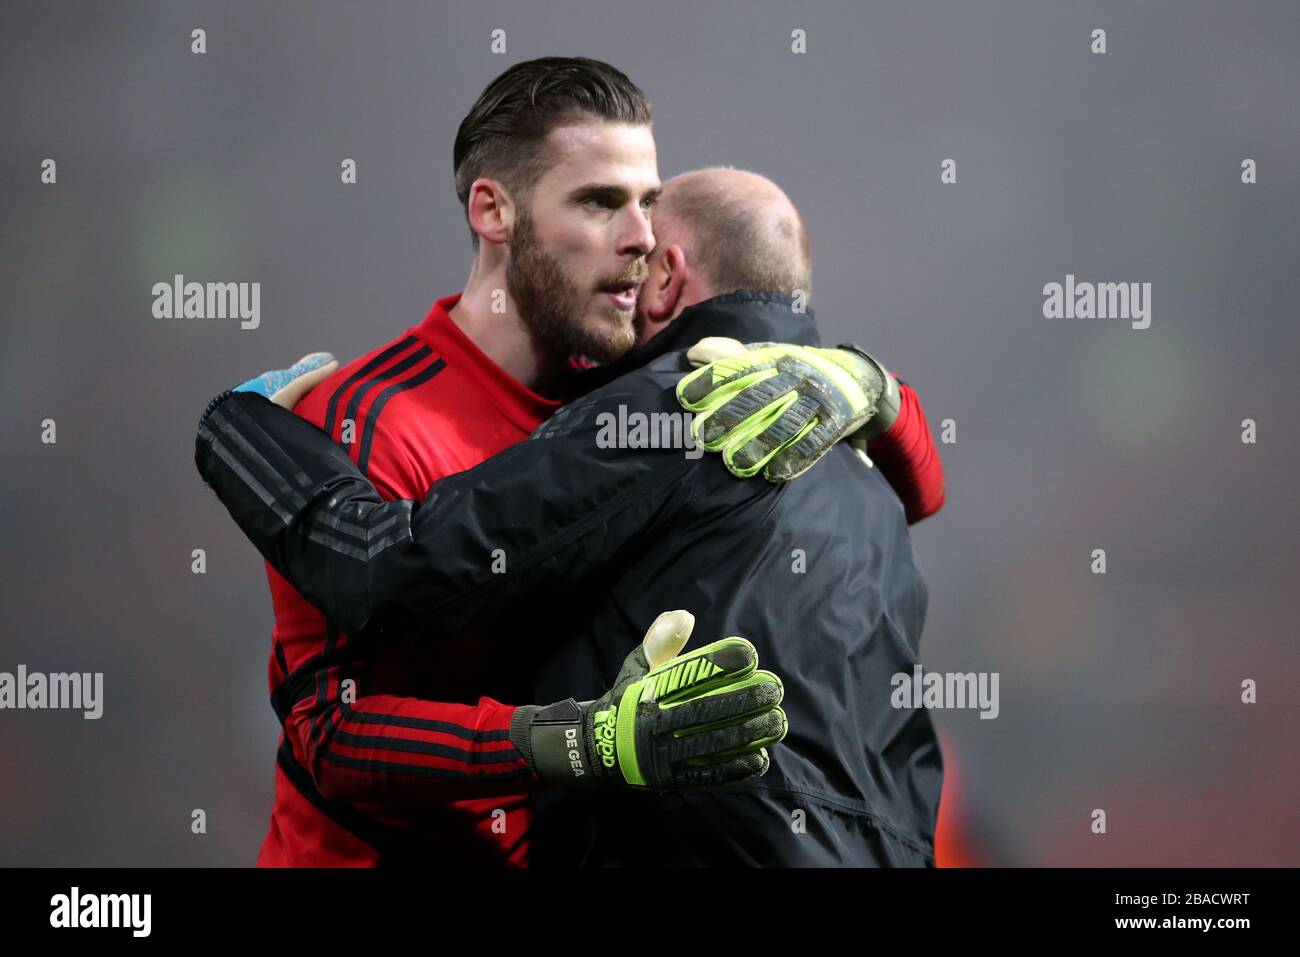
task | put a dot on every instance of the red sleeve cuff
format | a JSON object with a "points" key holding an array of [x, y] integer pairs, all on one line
{"points": [[907, 457]]}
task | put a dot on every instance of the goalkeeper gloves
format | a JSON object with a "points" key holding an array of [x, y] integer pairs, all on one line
{"points": [[779, 408], [285, 387], [669, 722]]}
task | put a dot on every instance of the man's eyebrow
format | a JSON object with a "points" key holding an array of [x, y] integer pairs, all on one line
{"points": [[601, 190], [611, 191]]}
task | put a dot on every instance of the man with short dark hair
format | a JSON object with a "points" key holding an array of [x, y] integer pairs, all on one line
{"points": [[376, 779], [504, 135]]}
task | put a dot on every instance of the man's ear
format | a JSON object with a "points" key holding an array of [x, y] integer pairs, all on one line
{"points": [[491, 210], [667, 279]]}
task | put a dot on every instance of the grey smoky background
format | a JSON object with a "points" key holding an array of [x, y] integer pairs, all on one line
{"points": [[1119, 691]]}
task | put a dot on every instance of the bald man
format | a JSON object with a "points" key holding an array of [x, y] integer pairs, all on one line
{"points": [[716, 230], [601, 524], [720, 229]]}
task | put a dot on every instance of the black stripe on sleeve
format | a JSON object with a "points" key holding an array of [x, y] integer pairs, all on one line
{"points": [[394, 350], [392, 372], [423, 724], [419, 770], [372, 416], [433, 748]]}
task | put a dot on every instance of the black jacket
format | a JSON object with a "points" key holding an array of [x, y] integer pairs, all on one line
{"points": [[819, 573]]}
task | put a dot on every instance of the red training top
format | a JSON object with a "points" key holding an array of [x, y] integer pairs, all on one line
{"points": [[392, 768]]}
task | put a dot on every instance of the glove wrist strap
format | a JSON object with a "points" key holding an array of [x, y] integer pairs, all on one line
{"points": [[553, 740], [887, 406]]}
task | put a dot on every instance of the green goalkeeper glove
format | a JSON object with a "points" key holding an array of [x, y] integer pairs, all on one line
{"points": [[780, 408], [703, 718]]}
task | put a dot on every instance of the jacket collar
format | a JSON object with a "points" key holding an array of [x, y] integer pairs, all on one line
{"points": [[747, 315]]}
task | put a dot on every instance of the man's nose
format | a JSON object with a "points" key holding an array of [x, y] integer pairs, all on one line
{"points": [[638, 237]]}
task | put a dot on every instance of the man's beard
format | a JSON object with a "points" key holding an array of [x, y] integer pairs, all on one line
{"points": [[552, 305]]}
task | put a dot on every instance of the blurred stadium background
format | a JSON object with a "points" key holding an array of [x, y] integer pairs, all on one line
{"points": [[1118, 691]]}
